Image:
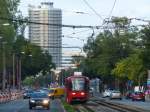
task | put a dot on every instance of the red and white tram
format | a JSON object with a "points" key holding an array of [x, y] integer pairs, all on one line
{"points": [[77, 88]]}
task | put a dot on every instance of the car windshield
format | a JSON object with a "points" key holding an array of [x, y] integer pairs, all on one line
{"points": [[39, 95], [116, 91], [51, 91], [138, 93], [29, 91]]}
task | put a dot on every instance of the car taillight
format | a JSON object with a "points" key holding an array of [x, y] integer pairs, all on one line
{"points": [[82, 93], [73, 93]]}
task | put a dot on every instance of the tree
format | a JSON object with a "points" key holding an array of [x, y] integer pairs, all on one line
{"points": [[131, 68], [29, 81], [145, 34], [108, 48]]}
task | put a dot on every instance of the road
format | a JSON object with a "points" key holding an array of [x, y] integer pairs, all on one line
{"points": [[22, 106]]}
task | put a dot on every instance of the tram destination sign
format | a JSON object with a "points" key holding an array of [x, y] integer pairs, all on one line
{"points": [[77, 73]]}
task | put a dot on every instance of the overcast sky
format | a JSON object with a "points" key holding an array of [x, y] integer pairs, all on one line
{"points": [[128, 8]]}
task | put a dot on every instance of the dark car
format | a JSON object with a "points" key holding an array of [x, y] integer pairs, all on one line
{"points": [[128, 94], [27, 94], [138, 96], [39, 99]]}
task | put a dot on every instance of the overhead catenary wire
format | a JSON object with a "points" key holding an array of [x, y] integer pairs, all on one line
{"points": [[79, 32], [73, 26], [56, 25], [68, 47], [112, 8], [93, 9], [74, 38]]}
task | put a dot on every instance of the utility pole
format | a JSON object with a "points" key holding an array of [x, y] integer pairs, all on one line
{"points": [[14, 71], [17, 72], [19, 69], [4, 67], [19, 75]]}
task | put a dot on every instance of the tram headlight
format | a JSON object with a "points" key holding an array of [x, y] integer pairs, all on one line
{"points": [[82, 93], [73, 93]]}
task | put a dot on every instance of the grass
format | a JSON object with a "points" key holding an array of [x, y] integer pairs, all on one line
{"points": [[68, 108]]}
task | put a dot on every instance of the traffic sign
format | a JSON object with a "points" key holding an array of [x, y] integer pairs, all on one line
{"points": [[148, 82]]}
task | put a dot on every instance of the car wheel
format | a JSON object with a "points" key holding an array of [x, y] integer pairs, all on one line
{"points": [[30, 107], [47, 107], [143, 100], [52, 97], [120, 98], [132, 99]]}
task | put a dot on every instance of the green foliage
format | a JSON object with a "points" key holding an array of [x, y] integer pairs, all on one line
{"points": [[121, 21], [121, 52], [130, 67], [68, 108], [106, 50], [33, 59], [145, 34], [29, 81]]}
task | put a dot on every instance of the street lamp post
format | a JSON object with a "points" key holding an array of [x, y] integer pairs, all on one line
{"points": [[13, 70], [19, 68], [19, 71], [4, 67]]}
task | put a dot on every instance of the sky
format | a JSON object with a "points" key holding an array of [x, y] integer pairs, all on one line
{"points": [[102, 9]]}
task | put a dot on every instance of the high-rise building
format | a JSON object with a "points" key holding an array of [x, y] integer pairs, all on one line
{"points": [[48, 35]]}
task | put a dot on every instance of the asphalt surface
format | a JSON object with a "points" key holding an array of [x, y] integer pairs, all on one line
{"points": [[22, 106]]}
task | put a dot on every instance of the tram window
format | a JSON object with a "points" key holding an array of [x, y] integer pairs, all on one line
{"points": [[78, 84], [70, 86], [87, 87]]}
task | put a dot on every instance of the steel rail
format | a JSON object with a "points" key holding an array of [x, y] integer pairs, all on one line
{"points": [[120, 107], [82, 108]]}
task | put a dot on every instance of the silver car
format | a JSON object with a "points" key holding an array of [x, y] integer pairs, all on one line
{"points": [[115, 94], [107, 93]]}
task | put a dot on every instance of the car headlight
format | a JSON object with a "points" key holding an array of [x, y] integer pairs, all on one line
{"points": [[49, 95], [32, 101], [45, 101]]}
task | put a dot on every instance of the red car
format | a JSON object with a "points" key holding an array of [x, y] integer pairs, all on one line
{"points": [[138, 96]]}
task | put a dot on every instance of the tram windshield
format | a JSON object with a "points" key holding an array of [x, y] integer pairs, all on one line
{"points": [[78, 84]]}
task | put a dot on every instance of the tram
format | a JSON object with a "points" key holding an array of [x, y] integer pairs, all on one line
{"points": [[77, 88]]}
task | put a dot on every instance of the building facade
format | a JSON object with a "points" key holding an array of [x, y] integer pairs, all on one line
{"points": [[46, 29]]}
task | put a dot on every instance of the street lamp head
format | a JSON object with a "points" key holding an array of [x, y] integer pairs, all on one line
{"points": [[1, 37], [30, 55], [22, 52], [6, 24]]}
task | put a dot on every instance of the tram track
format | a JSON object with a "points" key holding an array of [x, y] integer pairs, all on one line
{"points": [[105, 106], [119, 107], [83, 108]]}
